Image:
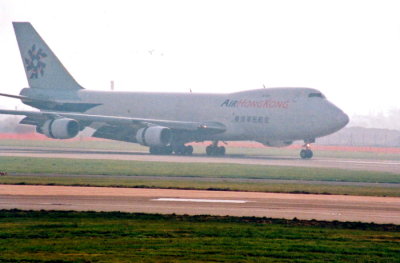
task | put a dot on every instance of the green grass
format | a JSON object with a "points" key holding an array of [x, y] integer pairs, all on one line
{"points": [[166, 169], [45, 171], [121, 237]]}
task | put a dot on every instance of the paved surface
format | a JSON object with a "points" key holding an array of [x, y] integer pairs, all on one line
{"points": [[351, 164], [320, 207]]}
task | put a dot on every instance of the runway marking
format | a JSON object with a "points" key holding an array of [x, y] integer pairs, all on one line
{"points": [[200, 200], [362, 162]]}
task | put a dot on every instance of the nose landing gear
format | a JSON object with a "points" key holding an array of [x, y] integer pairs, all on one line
{"points": [[306, 153]]}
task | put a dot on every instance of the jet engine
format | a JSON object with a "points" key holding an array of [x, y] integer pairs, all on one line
{"points": [[154, 136], [278, 143], [62, 128]]}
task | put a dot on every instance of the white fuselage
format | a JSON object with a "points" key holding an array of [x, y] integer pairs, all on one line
{"points": [[264, 115]]}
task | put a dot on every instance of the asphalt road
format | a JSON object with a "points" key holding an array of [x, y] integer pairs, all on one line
{"points": [[338, 163], [275, 205]]}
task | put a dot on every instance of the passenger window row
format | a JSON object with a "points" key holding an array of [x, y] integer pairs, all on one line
{"points": [[252, 119]]}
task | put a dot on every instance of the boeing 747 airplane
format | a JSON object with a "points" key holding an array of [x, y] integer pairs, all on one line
{"points": [[166, 122]]}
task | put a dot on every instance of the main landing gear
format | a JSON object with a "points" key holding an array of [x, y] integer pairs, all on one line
{"points": [[215, 150], [306, 153], [183, 150], [168, 150]]}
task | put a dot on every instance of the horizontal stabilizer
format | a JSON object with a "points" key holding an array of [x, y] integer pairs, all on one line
{"points": [[69, 106]]}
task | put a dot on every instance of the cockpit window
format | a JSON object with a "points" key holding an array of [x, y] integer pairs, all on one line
{"points": [[316, 95]]}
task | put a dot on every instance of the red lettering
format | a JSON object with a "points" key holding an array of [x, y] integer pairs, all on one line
{"points": [[241, 102], [266, 104]]}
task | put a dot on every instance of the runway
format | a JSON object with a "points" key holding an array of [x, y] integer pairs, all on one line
{"points": [[319, 207], [317, 162]]}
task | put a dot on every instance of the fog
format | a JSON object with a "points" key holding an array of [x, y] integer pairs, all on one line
{"points": [[10, 124], [389, 120], [349, 50]]}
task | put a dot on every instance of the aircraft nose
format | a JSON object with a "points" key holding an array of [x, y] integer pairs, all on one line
{"points": [[328, 119], [342, 119]]}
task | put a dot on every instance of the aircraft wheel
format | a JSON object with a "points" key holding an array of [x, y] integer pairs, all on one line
{"points": [[221, 150], [189, 150], [306, 154], [184, 150], [212, 150]]}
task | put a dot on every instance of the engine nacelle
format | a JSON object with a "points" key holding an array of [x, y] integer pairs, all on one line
{"points": [[278, 143], [62, 128], [154, 136]]}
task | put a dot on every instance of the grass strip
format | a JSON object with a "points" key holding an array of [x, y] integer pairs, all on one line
{"points": [[44, 171], [211, 170], [50, 236]]}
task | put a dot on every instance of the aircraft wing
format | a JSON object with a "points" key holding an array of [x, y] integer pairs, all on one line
{"points": [[41, 116]]}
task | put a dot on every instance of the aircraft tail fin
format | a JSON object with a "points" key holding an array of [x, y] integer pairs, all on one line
{"points": [[43, 69]]}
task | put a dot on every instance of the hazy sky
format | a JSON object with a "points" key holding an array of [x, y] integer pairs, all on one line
{"points": [[350, 50]]}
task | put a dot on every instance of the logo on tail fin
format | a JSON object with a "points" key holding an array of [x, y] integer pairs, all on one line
{"points": [[34, 64]]}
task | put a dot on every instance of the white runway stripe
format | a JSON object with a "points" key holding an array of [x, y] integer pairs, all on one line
{"points": [[200, 200]]}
